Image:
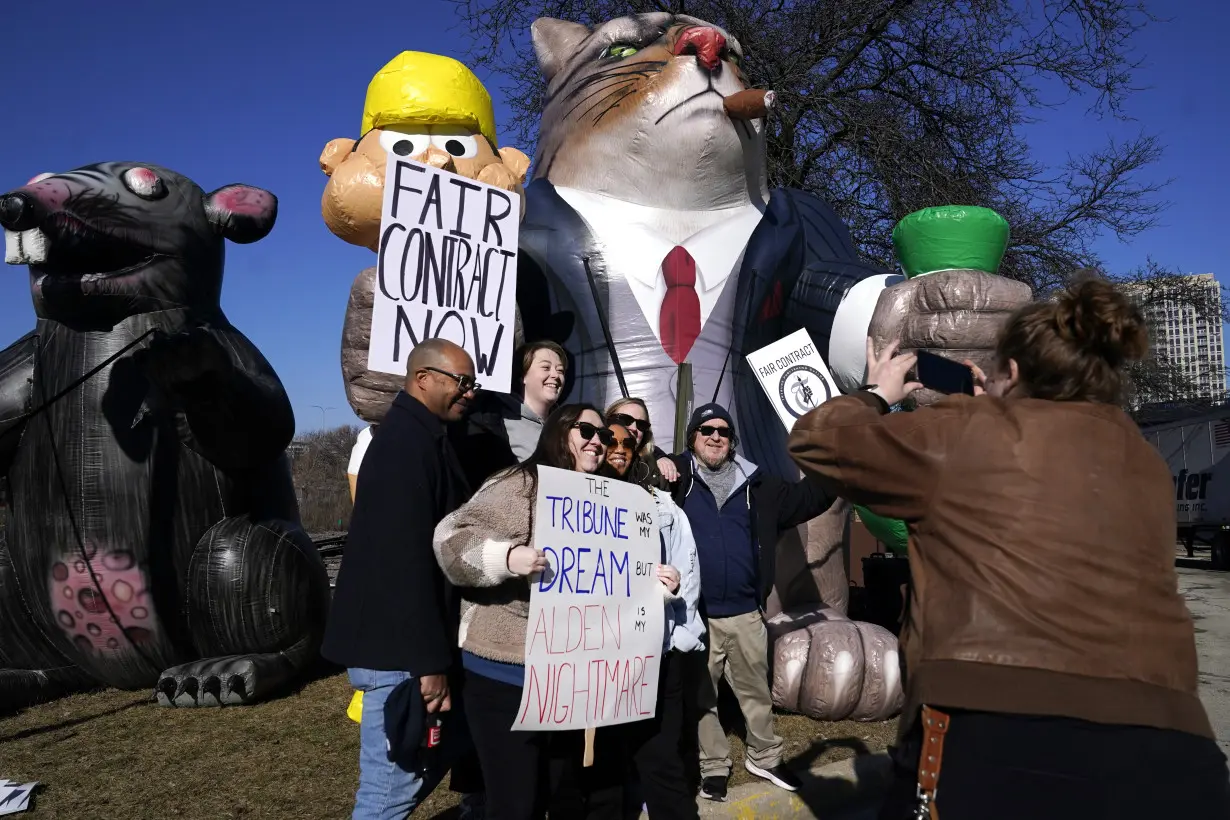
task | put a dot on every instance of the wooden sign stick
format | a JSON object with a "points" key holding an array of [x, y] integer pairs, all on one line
{"points": [[588, 760]]}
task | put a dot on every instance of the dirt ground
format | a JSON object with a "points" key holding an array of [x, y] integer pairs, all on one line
{"points": [[115, 755]]}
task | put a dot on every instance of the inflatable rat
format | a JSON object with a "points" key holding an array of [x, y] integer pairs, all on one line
{"points": [[153, 536]]}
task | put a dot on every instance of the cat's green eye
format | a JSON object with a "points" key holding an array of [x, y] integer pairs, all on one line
{"points": [[735, 58], [620, 50]]}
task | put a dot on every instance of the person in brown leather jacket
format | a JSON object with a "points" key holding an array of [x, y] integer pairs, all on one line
{"points": [[1049, 660]]}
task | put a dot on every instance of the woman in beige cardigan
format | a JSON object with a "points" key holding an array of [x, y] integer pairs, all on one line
{"points": [[482, 548]]}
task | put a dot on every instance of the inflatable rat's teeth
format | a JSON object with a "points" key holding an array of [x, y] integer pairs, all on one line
{"points": [[34, 243], [12, 248], [25, 248]]}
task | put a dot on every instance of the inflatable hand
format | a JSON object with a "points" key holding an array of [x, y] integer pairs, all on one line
{"points": [[952, 303], [428, 108], [184, 358]]}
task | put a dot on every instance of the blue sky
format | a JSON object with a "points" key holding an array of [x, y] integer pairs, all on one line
{"points": [[251, 91]]}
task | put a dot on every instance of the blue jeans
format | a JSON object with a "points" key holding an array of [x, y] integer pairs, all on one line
{"points": [[386, 790]]}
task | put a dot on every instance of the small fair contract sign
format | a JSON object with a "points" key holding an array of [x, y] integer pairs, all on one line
{"points": [[447, 269], [793, 375], [593, 643]]}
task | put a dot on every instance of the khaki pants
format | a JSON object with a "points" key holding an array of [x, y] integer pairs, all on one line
{"points": [[739, 652]]}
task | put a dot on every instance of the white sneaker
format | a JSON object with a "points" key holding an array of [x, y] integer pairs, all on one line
{"points": [[779, 775]]}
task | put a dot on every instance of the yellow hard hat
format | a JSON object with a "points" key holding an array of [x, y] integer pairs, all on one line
{"points": [[431, 89]]}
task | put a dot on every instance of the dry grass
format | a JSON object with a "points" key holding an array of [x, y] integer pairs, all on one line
{"points": [[115, 755]]}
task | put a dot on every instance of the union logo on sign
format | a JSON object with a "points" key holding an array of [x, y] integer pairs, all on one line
{"points": [[802, 389]]}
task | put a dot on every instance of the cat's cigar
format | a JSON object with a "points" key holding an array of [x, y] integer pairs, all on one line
{"points": [[752, 104]]}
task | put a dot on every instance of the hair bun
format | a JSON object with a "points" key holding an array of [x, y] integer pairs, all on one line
{"points": [[1097, 318]]}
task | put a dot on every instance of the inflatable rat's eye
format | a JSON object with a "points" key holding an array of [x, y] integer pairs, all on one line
{"points": [[144, 183], [460, 146], [620, 50], [404, 145]]}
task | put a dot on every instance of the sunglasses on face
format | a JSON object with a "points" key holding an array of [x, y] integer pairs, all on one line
{"points": [[464, 383], [707, 430], [627, 443], [588, 431], [627, 421]]}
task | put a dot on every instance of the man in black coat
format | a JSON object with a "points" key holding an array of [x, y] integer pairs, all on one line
{"points": [[394, 617]]}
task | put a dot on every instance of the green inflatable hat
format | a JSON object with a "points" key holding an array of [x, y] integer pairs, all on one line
{"points": [[950, 237], [890, 532]]}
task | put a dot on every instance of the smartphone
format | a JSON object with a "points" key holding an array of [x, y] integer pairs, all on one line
{"points": [[944, 375]]}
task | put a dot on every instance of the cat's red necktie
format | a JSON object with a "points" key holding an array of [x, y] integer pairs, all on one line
{"points": [[679, 321]]}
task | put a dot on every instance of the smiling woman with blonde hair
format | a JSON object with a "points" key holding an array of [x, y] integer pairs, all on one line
{"points": [[654, 467]]}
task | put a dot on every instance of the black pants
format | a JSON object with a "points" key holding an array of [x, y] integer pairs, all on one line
{"points": [[1018, 767], [651, 749], [526, 774]]}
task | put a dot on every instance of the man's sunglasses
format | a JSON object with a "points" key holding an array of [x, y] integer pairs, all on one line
{"points": [[624, 420], [707, 430], [464, 383], [588, 431]]}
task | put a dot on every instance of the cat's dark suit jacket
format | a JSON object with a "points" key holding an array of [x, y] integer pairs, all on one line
{"points": [[799, 264]]}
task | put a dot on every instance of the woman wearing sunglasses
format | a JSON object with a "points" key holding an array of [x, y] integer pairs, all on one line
{"points": [[632, 414], [482, 549], [650, 748]]}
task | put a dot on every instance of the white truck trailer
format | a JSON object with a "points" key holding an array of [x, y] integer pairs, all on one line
{"points": [[1196, 450]]}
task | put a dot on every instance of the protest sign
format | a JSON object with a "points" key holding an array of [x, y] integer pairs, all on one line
{"points": [[593, 643], [15, 797], [447, 269], [793, 375]]}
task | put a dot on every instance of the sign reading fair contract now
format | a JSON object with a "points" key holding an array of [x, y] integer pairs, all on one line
{"points": [[593, 643], [793, 375], [447, 269]]}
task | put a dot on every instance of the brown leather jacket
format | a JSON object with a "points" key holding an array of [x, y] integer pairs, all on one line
{"points": [[1041, 552]]}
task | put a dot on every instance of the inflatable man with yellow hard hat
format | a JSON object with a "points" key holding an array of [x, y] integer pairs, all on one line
{"points": [[434, 110]]}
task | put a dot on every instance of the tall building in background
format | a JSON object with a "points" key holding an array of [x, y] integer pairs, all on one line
{"points": [[1190, 342]]}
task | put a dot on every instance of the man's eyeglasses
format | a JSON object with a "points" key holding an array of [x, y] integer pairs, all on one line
{"points": [[588, 431], [625, 420], [707, 430], [464, 383]]}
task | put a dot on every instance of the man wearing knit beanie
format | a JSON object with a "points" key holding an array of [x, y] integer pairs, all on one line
{"points": [[737, 514]]}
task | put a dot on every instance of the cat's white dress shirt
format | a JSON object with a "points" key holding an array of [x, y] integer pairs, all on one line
{"points": [[636, 238]]}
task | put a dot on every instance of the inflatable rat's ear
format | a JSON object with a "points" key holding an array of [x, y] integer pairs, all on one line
{"points": [[242, 213]]}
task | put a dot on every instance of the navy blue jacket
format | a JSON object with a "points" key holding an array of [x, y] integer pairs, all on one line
{"points": [[735, 577]]}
